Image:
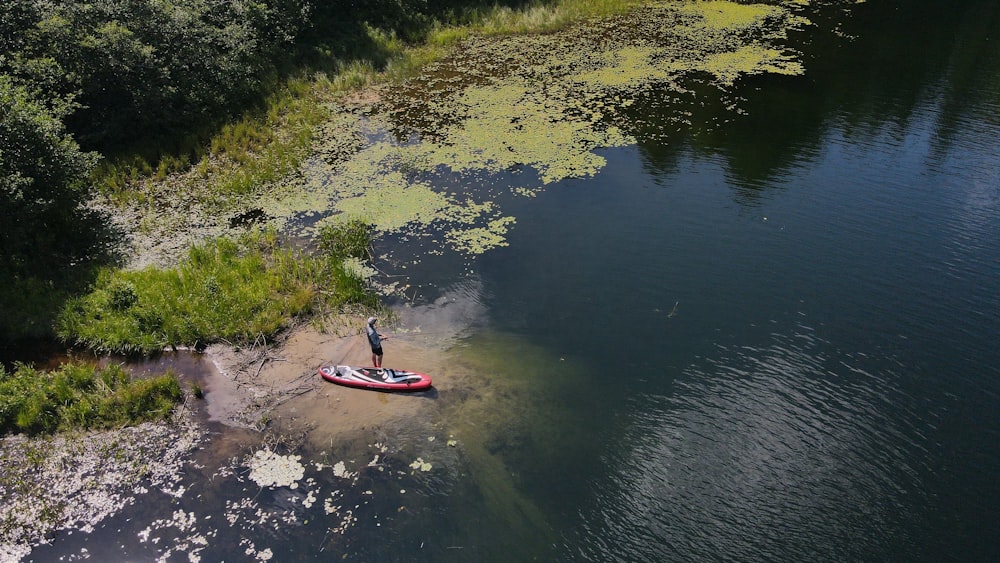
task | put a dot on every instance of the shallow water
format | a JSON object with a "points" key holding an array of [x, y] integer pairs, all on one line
{"points": [[765, 337]]}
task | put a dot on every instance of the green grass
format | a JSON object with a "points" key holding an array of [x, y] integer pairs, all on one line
{"points": [[349, 239], [537, 17], [224, 290], [81, 396], [241, 157]]}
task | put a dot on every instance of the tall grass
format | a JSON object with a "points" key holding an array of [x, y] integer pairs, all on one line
{"points": [[536, 17], [224, 289], [78, 395], [349, 239], [261, 147]]}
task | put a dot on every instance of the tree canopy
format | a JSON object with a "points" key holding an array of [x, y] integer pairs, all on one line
{"points": [[124, 70], [43, 184]]}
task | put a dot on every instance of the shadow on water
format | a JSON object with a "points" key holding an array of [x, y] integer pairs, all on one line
{"points": [[862, 75]]}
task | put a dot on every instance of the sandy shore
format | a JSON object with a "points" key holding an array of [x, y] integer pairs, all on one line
{"points": [[278, 380]]}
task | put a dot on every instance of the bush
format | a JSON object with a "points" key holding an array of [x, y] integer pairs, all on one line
{"points": [[350, 239], [43, 182]]}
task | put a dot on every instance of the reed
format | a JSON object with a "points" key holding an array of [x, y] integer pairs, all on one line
{"points": [[536, 17]]}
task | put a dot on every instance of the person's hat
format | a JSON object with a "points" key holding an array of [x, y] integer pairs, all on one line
{"points": [[371, 320]]}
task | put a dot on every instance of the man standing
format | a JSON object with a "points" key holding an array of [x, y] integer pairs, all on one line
{"points": [[375, 340]]}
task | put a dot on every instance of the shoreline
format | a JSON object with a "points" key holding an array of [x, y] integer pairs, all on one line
{"points": [[268, 392], [280, 380]]}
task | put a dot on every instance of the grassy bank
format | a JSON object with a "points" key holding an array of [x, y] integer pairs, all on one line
{"points": [[79, 396], [223, 290]]}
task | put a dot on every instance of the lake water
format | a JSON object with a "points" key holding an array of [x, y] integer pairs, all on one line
{"points": [[776, 338]]}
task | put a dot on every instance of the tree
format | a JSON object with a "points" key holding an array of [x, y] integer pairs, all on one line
{"points": [[43, 187]]}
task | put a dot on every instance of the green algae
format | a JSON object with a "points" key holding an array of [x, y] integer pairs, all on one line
{"points": [[393, 204], [630, 67], [542, 104], [509, 125], [751, 59], [479, 240], [730, 16]]}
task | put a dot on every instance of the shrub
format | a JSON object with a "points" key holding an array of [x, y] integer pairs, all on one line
{"points": [[350, 239]]}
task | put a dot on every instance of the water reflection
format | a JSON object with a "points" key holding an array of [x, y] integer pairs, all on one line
{"points": [[865, 79]]}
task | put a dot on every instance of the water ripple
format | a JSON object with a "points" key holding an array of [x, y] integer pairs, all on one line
{"points": [[766, 452]]}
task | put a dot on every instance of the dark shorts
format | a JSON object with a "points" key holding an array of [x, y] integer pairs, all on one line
{"points": [[377, 351]]}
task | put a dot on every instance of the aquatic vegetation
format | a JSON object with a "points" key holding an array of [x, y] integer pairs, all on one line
{"points": [[751, 59], [730, 16], [545, 104], [420, 464], [190, 540], [392, 204], [480, 239], [509, 124], [269, 469], [111, 470], [340, 470]]}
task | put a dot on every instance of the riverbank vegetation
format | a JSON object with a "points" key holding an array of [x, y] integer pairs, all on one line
{"points": [[149, 103], [81, 396], [223, 290]]}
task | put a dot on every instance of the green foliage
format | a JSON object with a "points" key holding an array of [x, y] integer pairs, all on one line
{"points": [[146, 66], [224, 289], [79, 395], [43, 184], [48, 236]]}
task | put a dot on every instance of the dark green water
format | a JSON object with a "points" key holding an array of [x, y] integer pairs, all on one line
{"points": [[828, 384], [772, 339]]}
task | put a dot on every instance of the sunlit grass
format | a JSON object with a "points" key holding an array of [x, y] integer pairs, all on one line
{"points": [[244, 155], [224, 290], [81, 396], [537, 17]]}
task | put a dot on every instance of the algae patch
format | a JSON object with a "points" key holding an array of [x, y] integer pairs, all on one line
{"points": [[513, 124], [269, 469], [751, 59], [435, 155], [540, 107]]}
